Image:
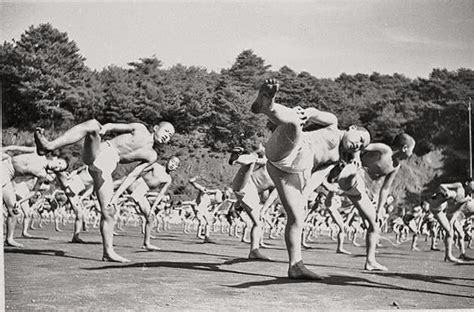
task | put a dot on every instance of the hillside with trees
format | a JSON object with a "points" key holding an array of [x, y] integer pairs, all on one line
{"points": [[45, 82]]}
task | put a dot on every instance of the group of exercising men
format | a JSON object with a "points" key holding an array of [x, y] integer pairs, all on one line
{"points": [[306, 152]]}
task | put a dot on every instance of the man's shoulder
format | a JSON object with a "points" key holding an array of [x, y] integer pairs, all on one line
{"points": [[139, 126], [157, 166]]}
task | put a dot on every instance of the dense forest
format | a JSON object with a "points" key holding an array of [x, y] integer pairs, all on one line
{"points": [[45, 82]]}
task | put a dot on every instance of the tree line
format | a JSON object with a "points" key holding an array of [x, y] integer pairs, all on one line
{"points": [[45, 82]]}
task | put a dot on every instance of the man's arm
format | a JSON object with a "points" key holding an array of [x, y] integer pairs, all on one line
{"points": [[322, 118], [452, 190], [117, 127], [377, 147], [87, 193], [197, 185], [132, 176], [261, 161], [270, 200], [161, 195], [385, 190]]}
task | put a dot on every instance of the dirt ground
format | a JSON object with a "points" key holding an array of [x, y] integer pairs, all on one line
{"points": [[52, 274]]}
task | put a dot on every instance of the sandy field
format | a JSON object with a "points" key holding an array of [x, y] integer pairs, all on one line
{"points": [[51, 274]]}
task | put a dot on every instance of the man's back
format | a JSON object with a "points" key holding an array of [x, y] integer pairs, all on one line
{"points": [[378, 163], [30, 164]]}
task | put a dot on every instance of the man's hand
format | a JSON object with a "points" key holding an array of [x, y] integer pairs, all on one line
{"points": [[301, 112], [103, 130]]}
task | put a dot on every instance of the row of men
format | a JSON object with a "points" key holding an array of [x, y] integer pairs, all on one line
{"points": [[221, 212], [306, 150]]}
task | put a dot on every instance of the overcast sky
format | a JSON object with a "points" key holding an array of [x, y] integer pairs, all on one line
{"points": [[324, 38]]}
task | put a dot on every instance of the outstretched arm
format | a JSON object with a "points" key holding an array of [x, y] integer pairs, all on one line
{"points": [[132, 176], [116, 127], [385, 189], [160, 195], [322, 118]]}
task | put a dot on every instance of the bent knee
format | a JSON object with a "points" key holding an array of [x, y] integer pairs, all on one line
{"points": [[109, 213]]}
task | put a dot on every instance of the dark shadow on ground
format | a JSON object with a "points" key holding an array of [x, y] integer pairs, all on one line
{"points": [[316, 248], [86, 243], [425, 278], [343, 280], [245, 260], [200, 266], [44, 252], [184, 252]]}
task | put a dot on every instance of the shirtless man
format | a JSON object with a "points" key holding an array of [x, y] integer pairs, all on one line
{"points": [[414, 221], [293, 154], [447, 203], [430, 225], [25, 192], [27, 164], [153, 177], [250, 181], [333, 204], [76, 185], [382, 163], [205, 201], [133, 143]]}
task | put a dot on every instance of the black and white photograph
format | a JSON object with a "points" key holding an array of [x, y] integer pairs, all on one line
{"points": [[224, 155]]}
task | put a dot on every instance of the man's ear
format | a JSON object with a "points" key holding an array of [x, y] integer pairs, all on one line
{"points": [[155, 128], [404, 148]]}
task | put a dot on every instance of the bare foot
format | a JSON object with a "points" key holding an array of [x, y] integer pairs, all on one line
{"points": [[453, 259], [265, 97], [41, 142], [12, 243], [77, 240], [263, 245], [113, 257], [151, 247], [26, 235], [207, 240], [58, 229], [243, 240], [355, 244], [343, 251], [415, 249], [299, 271], [305, 245], [257, 255], [435, 249], [375, 267]]}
